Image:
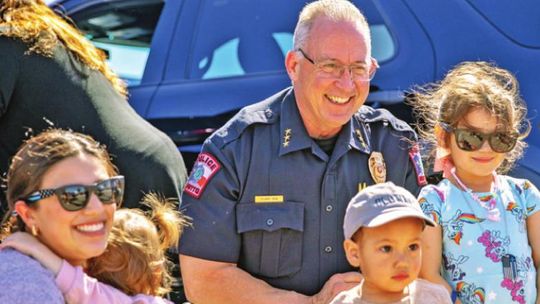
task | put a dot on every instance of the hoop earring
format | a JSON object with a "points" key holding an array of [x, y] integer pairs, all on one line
{"points": [[34, 231]]}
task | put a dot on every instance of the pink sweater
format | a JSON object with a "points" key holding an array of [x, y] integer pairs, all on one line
{"points": [[78, 287]]}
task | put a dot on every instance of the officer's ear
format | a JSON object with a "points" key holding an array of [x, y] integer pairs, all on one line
{"points": [[291, 64], [352, 251]]}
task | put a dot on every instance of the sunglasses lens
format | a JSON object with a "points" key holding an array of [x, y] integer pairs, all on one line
{"points": [[73, 198], [110, 191], [469, 140], [502, 142]]}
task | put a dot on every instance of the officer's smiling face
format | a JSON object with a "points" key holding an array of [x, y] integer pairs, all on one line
{"points": [[327, 101]]}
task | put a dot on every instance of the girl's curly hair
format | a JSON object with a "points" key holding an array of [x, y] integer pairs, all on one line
{"points": [[467, 86]]}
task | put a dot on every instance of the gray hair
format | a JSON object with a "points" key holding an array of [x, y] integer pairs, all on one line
{"points": [[335, 10]]}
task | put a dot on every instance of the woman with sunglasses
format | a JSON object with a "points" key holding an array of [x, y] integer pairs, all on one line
{"points": [[486, 248], [63, 189]]}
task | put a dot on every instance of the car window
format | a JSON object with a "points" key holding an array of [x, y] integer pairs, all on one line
{"points": [[124, 31], [230, 42]]}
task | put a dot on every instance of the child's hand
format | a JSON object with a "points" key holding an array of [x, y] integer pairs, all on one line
{"points": [[29, 245], [23, 242]]}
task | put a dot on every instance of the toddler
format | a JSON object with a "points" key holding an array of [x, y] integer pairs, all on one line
{"points": [[383, 227]]}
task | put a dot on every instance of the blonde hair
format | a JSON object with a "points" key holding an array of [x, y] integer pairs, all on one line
{"points": [[135, 260], [33, 22], [335, 10], [472, 85]]}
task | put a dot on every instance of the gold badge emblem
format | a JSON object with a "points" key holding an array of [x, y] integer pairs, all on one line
{"points": [[377, 167]]}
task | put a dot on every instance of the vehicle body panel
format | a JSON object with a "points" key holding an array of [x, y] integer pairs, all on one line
{"points": [[429, 37]]}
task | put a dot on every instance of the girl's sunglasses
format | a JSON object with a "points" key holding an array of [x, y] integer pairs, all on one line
{"points": [[76, 197], [470, 140]]}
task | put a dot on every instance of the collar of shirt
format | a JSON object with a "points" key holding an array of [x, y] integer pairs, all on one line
{"points": [[294, 137]]}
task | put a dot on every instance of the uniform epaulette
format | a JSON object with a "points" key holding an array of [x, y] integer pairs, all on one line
{"points": [[262, 112], [369, 115]]}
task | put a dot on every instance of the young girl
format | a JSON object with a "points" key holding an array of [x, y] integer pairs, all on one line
{"points": [[487, 244], [134, 261]]}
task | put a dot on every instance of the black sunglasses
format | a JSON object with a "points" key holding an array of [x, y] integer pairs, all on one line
{"points": [[470, 140], [76, 197]]}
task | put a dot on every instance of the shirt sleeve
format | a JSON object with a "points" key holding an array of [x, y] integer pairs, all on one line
{"points": [[78, 287], [350, 296], [429, 292], [24, 280], [532, 197], [210, 198], [431, 198]]}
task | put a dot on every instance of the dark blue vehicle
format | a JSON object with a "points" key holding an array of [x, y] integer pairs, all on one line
{"points": [[192, 64]]}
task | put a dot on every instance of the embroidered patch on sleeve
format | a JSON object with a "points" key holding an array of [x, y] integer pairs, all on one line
{"points": [[204, 168], [416, 159]]}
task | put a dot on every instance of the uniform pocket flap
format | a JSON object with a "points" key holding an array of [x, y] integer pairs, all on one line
{"points": [[269, 217]]}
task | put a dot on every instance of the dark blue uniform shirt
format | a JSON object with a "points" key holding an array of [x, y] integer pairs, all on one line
{"points": [[264, 195]]}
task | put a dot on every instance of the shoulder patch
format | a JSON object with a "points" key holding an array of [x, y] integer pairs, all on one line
{"points": [[204, 168], [416, 159]]}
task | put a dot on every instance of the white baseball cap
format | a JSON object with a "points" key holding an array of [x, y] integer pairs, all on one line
{"points": [[379, 204]]}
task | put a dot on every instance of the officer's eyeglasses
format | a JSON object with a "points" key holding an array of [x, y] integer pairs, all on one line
{"points": [[471, 140], [333, 69], [76, 197]]}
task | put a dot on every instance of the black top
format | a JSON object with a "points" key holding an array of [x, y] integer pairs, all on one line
{"points": [[37, 92]]}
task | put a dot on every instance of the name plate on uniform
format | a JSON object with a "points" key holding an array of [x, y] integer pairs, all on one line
{"points": [[269, 199]]}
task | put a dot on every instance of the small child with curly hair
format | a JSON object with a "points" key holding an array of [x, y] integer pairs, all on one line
{"points": [[133, 268], [486, 248]]}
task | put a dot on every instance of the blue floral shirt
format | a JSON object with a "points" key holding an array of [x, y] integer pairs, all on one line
{"points": [[486, 261]]}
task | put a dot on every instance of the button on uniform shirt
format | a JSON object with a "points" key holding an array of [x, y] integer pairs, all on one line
{"points": [[265, 196]]}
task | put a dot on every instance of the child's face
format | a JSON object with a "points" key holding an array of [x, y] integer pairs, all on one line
{"points": [[389, 257], [482, 162]]}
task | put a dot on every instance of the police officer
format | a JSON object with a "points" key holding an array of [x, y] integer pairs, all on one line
{"points": [[269, 190]]}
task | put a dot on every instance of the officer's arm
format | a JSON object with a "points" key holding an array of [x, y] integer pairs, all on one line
{"points": [[217, 282]]}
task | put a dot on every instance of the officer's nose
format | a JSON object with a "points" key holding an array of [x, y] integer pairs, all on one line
{"points": [[346, 79]]}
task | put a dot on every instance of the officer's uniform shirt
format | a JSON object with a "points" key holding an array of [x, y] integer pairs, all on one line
{"points": [[265, 196]]}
